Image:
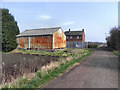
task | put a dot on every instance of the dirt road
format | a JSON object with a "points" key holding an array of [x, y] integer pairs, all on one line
{"points": [[100, 70]]}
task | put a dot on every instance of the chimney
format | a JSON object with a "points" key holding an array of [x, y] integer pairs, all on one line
{"points": [[83, 30], [69, 30]]}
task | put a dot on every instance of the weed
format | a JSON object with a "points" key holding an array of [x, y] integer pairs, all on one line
{"points": [[23, 81]]}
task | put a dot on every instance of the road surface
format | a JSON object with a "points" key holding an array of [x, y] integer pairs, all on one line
{"points": [[100, 70]]}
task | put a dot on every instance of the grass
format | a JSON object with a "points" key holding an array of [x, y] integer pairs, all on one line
{"points": [[116, 53], [40, 52], [3, 52], [62, 53], [42, 78], [99, 46]]}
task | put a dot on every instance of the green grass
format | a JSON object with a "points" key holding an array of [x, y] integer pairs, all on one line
{"points": [[40, 52], [41, 79], [48, 53], [99, 46], [116, 53], [3, 52]]}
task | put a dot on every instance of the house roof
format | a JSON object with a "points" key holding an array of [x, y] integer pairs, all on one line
{"points": [[41, 31], [74, 32]]}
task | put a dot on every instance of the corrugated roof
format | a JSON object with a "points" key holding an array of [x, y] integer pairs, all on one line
{"points": [[74, 32], [41, 31]]}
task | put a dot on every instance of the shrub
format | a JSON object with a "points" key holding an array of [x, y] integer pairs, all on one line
{"points": [[113, 40], [92, 46]]}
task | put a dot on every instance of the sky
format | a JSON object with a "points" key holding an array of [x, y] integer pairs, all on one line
{"points": [[96, 18]]}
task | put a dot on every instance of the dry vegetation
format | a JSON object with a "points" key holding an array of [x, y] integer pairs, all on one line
{"points": [[44, 63]]}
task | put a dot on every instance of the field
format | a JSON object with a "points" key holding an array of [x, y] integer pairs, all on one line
{"points": [[22, 63], [15, 65]]}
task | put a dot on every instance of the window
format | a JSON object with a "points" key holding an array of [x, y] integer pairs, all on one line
{"points": [[67, 37], [79, 37], [71, 37], [76, 44], [66, 43]]}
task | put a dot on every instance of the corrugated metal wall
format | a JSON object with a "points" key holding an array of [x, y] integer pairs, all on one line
{"points": [[22, 42], [43, 42], [59, 39]]}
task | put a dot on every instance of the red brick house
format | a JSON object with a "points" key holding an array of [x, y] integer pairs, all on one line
{"points": [[75, 39]]}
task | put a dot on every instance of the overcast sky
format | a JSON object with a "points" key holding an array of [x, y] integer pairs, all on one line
{"points": [[97, 18]]}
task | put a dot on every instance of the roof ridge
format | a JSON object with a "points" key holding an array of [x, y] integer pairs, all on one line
{"points": [[74, 31], [42, 28]]}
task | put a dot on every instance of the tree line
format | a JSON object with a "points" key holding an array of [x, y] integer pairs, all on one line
{"points": [[113, 41]]}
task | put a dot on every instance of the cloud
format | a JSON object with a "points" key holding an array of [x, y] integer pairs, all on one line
{"points": [[44, 17], [68, 23]]}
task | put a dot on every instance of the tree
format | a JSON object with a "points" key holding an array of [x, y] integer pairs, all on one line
{"points": [[9, 31], [114, 39]]}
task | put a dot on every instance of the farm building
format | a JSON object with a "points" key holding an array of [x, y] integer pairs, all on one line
{"points": [[75, 39], [44, 38]]}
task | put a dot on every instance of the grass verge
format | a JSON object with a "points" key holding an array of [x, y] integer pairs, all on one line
{"points": [[41, 79], [116, 53], [3, 52]]}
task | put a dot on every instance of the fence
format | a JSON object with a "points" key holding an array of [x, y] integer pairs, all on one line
{"points": [[77, 44]]}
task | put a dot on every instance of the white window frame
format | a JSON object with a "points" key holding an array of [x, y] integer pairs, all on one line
{"points": [[77, 44], [71, 37], [78, 37]]}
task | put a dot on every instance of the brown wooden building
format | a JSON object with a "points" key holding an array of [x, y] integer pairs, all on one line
{"points": [[44, 38]]}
